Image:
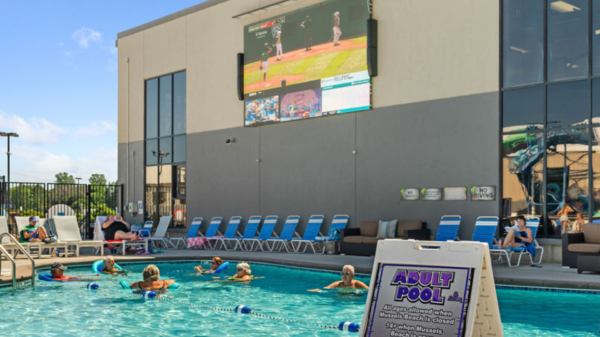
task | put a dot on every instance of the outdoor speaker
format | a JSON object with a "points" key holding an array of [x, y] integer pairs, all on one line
{"points": [[372, 47], [283, 83], [240, 76]]}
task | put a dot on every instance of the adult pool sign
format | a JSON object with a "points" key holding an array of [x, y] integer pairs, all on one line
{"points": [[431, 289], [421, 300]]}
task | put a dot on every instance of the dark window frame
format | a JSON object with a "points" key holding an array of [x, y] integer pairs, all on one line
{"points": [[590, 126]]}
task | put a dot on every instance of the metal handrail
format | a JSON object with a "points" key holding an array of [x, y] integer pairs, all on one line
{"points": [[13, 239], [14, 271]]}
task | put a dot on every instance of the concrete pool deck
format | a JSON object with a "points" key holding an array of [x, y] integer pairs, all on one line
{"points": [[549, 275]]}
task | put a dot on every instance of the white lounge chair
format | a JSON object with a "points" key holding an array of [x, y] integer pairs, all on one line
{"points": [[67, 231], [40, 246], [161, 231]]}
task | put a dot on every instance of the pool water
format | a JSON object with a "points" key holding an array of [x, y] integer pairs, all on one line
{"points": [[59, 309]]}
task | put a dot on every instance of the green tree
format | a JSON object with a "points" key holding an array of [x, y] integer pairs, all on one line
{"points": [[64, 178], [98, 179]]}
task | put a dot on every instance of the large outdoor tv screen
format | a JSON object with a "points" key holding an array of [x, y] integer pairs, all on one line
{"points": [[308, 63]]}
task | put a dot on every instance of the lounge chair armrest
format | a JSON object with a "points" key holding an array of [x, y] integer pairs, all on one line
{"points": [[573, 238], [276, 236], [349, 232], [237, 233], [296, 235], [417, 234]]}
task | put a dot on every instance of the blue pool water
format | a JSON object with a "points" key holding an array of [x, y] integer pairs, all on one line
{"points": [[70, 310]]}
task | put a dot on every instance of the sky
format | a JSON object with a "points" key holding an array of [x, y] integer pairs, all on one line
{"points": [[58, 83]]}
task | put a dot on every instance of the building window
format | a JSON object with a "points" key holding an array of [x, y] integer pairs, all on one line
{"points": [[165, 121], [549, 114], [523, 41]]}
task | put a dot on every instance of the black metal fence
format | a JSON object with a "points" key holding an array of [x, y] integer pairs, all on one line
{"points": [[47, 200]]}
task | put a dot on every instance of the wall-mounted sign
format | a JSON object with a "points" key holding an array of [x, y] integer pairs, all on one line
{"points": [[410, 193], [483, 193], [431, 193], [140, 207], [455, 193]]}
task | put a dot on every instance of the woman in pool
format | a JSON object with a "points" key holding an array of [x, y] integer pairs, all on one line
{"points": [[151, 281], [347, 280], [244, 273], [523, 239], [108, 267], [214, 264]]}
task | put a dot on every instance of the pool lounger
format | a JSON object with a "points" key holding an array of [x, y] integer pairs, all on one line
{"points": [[266, 233], [249, 233], [309, 238], [287, 234], [230, 233]]}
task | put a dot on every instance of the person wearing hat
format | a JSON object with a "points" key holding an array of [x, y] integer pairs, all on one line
{"points": [[33, 232], [264, 60], [57, 270], [337, 31], [307, 25]]}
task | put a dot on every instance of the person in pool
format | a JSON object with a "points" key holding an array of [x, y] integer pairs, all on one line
{"points": [[151, 281], [214, 264], [244, 273], [57, 270], [108, 267], [347, 280], [517, 238]]}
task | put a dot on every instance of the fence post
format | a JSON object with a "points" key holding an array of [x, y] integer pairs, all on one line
{"points": [[88, 216]]}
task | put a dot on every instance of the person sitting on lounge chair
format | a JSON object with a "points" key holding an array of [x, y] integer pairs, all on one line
{"points": [[214, 264], [57, 270], [347, 281], [116, 229], [151, 281], [517, 238], [32, 232]]}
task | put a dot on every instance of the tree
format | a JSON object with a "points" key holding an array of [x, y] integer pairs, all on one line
{"points": [[64, 178], [98, 179]]}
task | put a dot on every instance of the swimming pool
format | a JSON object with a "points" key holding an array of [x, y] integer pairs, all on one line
{"points": [[70, 310]]}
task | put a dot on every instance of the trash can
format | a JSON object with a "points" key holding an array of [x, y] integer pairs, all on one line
{"points": [[331, 247]]}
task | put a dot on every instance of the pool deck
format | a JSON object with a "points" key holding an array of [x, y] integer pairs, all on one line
{"points": [[549, 275]]}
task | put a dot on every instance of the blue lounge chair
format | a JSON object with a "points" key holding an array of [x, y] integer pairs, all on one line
{"points": [[310, 234], [146, 231], [448, 229], [287, 234], [533, 224], [212, 233], [485, 230], [249, 233], [339, 222], [266, 233], [192, 232], [231, 231]]}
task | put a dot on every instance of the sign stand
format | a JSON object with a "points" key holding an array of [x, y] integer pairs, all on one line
{"points": [[432, 289]]}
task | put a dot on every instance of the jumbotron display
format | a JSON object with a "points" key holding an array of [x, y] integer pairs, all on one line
{"points": [[308, 63]]}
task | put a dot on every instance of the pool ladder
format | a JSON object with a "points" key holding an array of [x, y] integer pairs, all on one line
{"points": [[12, 259]]}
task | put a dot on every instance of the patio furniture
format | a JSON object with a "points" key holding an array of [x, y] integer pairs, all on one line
{"points": [[230, 233], [67, 231], [249, 233], [448, 229], [588, 263], [577, 244], [266, 233], [310, 235], [363, 240], [287, 234]]}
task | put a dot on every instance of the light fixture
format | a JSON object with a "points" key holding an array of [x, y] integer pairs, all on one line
{"points": [[230, 141], [597, 31], [563, 7], [520, 50]]}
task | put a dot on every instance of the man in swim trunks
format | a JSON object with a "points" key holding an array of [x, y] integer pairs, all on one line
{"points": [[116, 229], [57, 270], [347, 280]]}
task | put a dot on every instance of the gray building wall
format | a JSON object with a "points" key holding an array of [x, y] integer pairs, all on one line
{"points": [[308, 167], [133, 185]]}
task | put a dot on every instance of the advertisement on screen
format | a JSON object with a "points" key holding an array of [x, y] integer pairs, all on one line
{"points": [[318, 51]]}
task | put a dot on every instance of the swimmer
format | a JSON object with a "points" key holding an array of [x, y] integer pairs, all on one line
{"points": [[57, 270], [109, 267], [243, 273], [347, 280], [214, 264], [151, 281]]}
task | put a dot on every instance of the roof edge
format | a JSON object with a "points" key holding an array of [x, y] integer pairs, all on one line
{"points": [[170, 17]]}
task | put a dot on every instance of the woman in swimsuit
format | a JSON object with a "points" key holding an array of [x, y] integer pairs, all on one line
{"points": [[523, 239], [244, 273], [347, 281], [116, 229], [151, 281], [214, 264]]}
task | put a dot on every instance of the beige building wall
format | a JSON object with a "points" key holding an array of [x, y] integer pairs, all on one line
{"points": [[427, 50]]}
